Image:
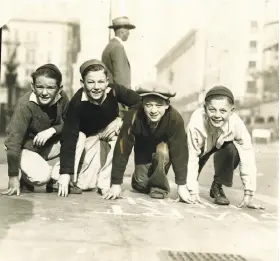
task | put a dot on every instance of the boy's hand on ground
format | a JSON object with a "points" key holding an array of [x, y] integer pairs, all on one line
{"points": [[63, 185], [13, 187], [114, 192], [42, 137], [196, 198], [184, 194], [247, 202]]}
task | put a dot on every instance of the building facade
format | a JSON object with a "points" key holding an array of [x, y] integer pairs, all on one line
{"points": [[38, 42], [27, 44], [226, 50]]}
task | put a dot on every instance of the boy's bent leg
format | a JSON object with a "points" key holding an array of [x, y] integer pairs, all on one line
{"points": [[226, 160], [104, 176], [89, 166], [140, 178], [158, 182], [34, 168]]}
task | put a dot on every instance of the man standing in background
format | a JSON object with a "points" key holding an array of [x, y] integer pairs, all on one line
{"points": [[114, 55]]}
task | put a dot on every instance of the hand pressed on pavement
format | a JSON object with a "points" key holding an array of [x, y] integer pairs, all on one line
{"points": [[196, 198], [13, 187], [247, 202], [184, 194], [114, 192], [42, 137], [63, 185]]}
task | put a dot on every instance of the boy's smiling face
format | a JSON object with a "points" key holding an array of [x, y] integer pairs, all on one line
{"points": [[218, 111]]}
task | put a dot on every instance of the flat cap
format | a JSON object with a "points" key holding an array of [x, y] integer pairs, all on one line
{"points": [[155, 88], [220, 90], [88, 63], [52, 67]]}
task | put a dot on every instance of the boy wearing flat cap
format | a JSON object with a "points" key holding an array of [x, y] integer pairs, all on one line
{"points": [[34, 132], [156, 130], [216, 128], [92, 117]]}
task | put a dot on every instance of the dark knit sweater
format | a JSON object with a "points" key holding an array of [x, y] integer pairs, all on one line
{"points": [[89, 118], [170, 130], [28, 120]]}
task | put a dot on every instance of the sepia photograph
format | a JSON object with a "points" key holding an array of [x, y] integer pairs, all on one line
{"points": [[139, 130]]}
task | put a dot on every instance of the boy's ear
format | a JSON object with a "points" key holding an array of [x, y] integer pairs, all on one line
{"points": [[32, 85], [60, 89], [82, 83]]}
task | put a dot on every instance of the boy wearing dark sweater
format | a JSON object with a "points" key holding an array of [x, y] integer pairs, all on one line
{"points": [[92, 118], [34, 131], [156, 130]]}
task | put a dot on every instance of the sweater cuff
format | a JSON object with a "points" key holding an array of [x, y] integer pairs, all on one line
{"points": [[13, 173], [67, 170], [116, 181], [181, 178], [57, 128]]}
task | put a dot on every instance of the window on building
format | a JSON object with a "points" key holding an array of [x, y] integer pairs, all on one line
{"points": [[271, 119], [171, 77], [252, 64], [253, 46], [259, 119], [247, 120], [251, 87], [254, 25], [30, 56]]}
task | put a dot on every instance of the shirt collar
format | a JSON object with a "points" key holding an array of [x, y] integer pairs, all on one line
{"points": [[85, 97], [120, 40], [33, 98]]}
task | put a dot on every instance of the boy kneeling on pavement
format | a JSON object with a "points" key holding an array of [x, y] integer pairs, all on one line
{"points": [[92, 120], [216, 128], [157, 132], [34, 132]]}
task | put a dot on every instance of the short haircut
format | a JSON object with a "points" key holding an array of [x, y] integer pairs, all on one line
{"points": [[48, 73], [94, 68], [218, 97]]}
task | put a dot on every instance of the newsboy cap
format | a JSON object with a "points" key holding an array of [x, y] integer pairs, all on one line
{"points": [[220, 90], [88, 63], [120, 22], [155, 88], [52, 67]]}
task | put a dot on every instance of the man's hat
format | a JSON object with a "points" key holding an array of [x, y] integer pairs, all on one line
{"points": [[88, 63], [52, 67], [120, 22], [220, 90], [154, 88]]}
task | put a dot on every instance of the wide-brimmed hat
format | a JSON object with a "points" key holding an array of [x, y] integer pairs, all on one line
{"points": [[151, 88], [120, 22]]}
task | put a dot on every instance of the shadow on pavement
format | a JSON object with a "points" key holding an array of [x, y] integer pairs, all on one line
{"points": [[12, 211]]}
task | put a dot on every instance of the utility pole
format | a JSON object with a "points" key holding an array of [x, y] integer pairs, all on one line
{"points": [[110, 18], [1, 30]]}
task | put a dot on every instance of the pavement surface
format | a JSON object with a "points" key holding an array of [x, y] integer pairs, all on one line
{"points": [[39, 226]]}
